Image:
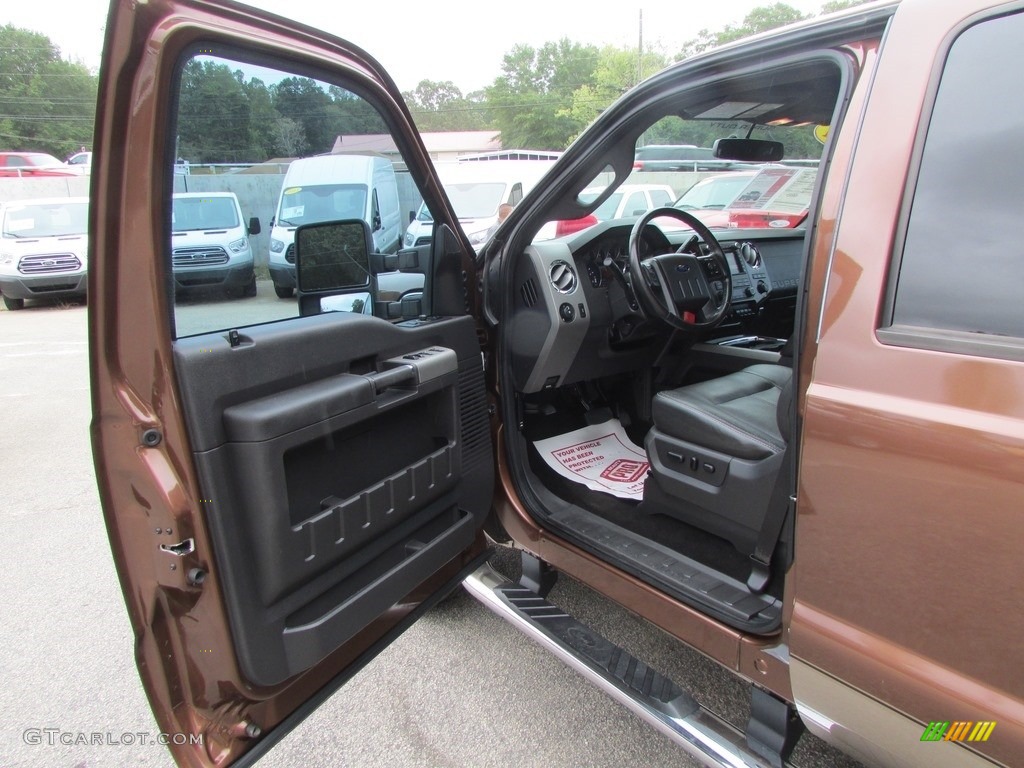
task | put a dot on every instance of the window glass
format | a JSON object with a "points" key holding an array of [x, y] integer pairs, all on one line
{"points": [[635, 202], [961, 256], [777, 121], [607, 209], [258, 153], [660, 197], [715, 192], [199, 211], [56, 219], [475, 200]]}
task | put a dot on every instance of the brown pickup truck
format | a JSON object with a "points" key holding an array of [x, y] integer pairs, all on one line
{"points": [[795, 449]]}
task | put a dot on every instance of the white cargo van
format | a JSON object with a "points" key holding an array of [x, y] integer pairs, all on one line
{"points": [[476, 189], [330, 187], [210, 243]]}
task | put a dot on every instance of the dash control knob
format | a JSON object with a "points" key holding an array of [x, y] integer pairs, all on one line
{"points": [[567, 313]]}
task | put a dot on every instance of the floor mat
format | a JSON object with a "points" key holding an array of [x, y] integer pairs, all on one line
{"points": [[599, 456]]}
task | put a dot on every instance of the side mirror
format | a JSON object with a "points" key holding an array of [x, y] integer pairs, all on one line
{"points": [[332, 257], [377, 225], [412, 216], [272, 220], [254, 226]]}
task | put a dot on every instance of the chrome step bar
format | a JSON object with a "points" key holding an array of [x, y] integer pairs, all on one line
{"points": [[657, 700]]}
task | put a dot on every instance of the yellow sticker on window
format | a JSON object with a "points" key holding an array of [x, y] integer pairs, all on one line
{"points": [[821, 133], [293, 190]]}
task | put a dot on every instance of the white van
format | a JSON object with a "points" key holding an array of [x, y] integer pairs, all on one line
{"points": [[330, 187], [210, 243], [43, 249], [476, 189]]}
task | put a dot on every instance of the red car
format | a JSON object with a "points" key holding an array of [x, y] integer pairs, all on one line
{"points": [[34, 164]]}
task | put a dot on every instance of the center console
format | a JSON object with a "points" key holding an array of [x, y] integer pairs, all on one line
{"points": [[751, 285]]}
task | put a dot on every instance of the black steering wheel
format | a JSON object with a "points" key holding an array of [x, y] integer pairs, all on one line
{"points": [[685, 290]]}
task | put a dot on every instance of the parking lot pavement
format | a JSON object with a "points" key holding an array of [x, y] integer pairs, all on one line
{"points": [[460, 688]]}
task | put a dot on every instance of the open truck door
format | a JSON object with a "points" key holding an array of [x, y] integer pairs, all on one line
{"points": [[284, 494]]}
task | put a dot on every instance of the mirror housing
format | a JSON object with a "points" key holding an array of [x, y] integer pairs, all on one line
{"points": [[332, 257], [254, 226], [749, 150]]}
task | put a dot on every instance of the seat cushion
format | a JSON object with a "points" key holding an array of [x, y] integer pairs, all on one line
{"points": [[734, 414]]}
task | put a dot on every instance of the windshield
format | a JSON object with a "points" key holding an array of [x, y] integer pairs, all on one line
{"points": [[46, 220], [322, 202], [716, 192], [194, 213], [475, 200], [42, 160]]}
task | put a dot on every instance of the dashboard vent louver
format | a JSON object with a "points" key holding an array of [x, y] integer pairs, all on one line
{"points": [[528, 291], [563, 277]]}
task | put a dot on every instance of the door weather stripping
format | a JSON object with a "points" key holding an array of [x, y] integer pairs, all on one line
{"points": [[650, 695]]}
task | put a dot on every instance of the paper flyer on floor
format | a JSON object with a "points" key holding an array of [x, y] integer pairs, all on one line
{"points": [[600, 456]]}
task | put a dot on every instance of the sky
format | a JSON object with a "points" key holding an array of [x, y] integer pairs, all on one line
{"points": [[453, 40]]}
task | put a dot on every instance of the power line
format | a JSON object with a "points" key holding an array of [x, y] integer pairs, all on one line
{"points": [[50, 118]]}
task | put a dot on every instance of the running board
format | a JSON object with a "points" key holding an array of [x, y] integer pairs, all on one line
{"points": [[650, 695]]}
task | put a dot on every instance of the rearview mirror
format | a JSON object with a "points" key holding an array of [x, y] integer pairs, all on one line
{"points": [[333, 256], [749, 150]]}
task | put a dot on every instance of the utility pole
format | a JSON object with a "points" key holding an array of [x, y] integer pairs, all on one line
{"points": [[640, 51], [640, 64]]}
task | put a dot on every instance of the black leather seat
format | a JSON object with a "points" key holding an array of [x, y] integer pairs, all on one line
{"points": [[716, 448]]}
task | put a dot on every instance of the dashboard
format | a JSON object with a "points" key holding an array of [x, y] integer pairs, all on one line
{"points": [[574, 316]]}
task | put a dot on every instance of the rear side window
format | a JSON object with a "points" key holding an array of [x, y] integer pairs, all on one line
{"points": [[660, 197], [962, 260], [636, 202]]}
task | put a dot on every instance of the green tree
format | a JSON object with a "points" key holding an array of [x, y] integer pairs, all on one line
{"points": [[351, 114], [290, 140], [264, 120], [46, 104], [302, 99], [617, 70], [440, 106], [760, 19], [841, 5], [214, 115], [531, 102]]}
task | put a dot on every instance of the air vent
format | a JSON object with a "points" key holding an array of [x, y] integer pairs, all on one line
{"points": [[563, 277], [528, 291]]}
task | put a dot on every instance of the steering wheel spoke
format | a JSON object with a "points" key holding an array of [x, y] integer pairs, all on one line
{"points": [[684, 289]]}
